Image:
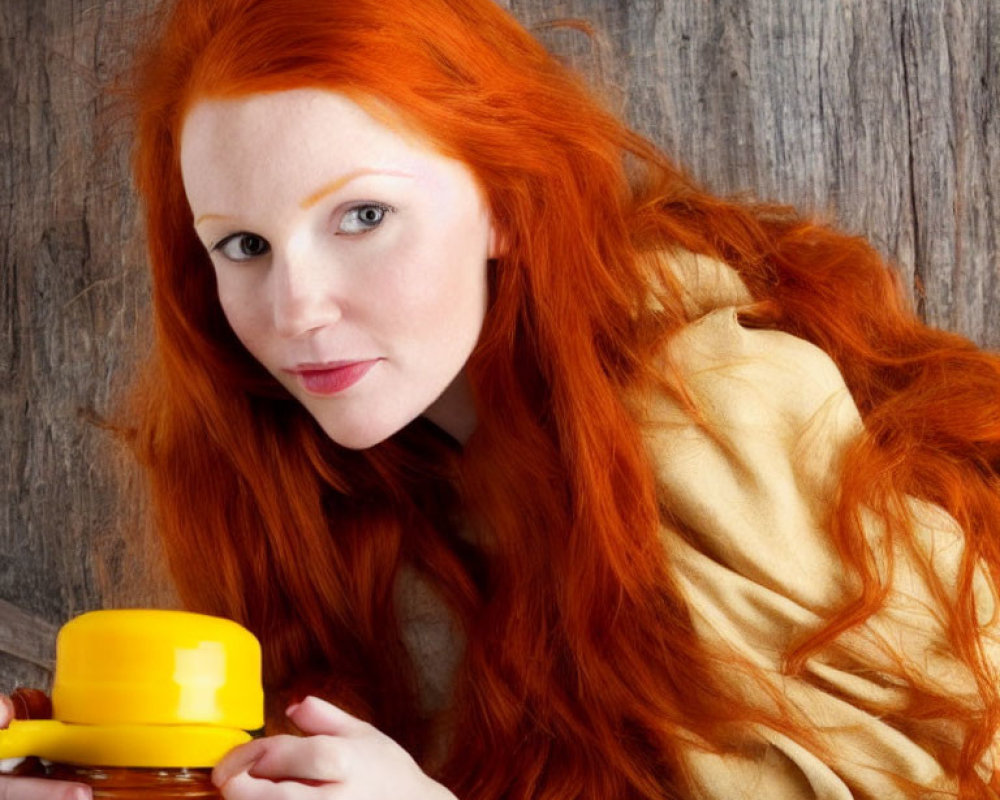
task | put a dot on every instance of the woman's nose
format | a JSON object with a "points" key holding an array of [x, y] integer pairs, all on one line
{"points": [[304, 292]]}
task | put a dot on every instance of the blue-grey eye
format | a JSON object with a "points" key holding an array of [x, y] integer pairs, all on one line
{"points": [[363, 218], [243, 246]]}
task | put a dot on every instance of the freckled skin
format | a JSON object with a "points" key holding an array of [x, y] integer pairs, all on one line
{"points": [[336, 238]]}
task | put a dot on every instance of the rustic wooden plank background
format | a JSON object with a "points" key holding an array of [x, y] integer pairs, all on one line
{"points": [[879, 114]]}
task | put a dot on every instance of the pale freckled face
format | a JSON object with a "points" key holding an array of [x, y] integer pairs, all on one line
{"points": [[350, 259]]}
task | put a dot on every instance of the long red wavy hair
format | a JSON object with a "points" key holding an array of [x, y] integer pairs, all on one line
{"points": [[581, 670]]}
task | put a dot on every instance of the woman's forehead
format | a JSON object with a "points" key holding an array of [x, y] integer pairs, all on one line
{"points": [[308, 142], [325, 111]]}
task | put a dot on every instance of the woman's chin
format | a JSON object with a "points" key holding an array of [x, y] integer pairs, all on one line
{"points": [[359, 437], [358, 441]]}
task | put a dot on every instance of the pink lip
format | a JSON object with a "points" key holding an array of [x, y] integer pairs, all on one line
{"points": [[332, 378]]}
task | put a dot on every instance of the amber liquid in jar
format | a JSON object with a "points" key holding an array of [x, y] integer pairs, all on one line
{"points": [[133, 783]]}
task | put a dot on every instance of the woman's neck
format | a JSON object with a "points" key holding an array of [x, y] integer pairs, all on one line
{"points": [[454, 411]]}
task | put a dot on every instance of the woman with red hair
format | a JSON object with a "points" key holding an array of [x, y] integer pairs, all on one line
{"points": [[539, 472]]}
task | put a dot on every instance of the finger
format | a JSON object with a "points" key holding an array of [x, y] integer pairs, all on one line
{"points": [[313, 715], [317, 759], [6, 710], [237, 760], [40, 789], [247, 787]]}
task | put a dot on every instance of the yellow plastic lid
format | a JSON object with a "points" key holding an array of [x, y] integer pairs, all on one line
{"points": [[151, 746], [157, 667], [146, 688]]}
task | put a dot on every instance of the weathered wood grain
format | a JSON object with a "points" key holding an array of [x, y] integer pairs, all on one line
{"points": [[882, 115], [27, 649], [72, 305], [879, 116], [26, 636]]}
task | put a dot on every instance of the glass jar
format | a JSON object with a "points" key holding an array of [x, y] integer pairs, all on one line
{"points": [[133, 783], [144, 704]]}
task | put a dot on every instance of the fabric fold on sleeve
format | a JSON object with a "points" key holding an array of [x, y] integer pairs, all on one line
{"points": [[748, 477]]}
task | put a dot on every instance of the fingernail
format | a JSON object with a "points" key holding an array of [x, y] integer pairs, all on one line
{"points": [[219, 777], [292, 709], [232, 765], [222, 773], [79, 793]]}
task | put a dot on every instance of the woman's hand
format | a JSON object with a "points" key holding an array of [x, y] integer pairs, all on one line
{"points": [[32, 704], [340, 757]]}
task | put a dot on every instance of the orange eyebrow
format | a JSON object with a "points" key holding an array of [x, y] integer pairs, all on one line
{"points": [[203, 217], [343, 180], [324, 190], [331, 187]]}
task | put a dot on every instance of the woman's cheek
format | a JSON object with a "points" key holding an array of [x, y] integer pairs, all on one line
{"points": [[244, 318]]}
